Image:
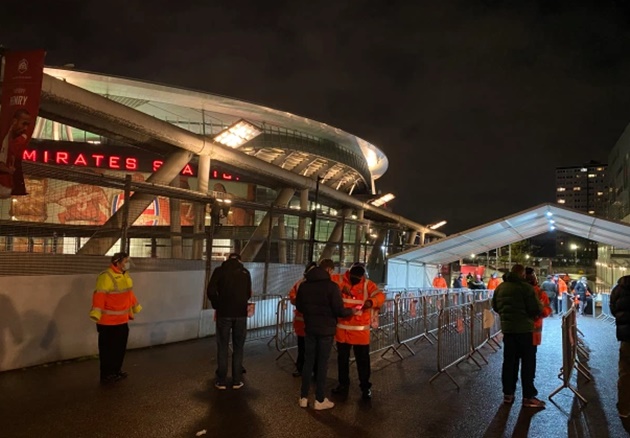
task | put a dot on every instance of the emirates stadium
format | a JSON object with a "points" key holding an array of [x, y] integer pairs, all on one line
{"points": [[250, 154]]}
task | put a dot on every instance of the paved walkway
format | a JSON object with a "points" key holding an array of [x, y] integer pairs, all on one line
{"points": [[169, 393]]}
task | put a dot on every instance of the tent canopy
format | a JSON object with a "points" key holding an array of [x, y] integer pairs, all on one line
{"points": [[517, 227]]}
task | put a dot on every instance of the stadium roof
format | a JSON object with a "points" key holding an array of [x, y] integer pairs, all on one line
{"points": [[517, 227]]}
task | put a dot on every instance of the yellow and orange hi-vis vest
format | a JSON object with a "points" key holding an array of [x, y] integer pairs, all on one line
{"points": [[113, 301], [355, 329]]}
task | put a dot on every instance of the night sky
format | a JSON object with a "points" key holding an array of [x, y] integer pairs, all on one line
{"points": [[474, 102]]}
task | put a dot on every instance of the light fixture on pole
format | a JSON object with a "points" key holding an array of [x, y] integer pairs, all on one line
{"points": [[382, 200], [574, 248], [237, 134]]}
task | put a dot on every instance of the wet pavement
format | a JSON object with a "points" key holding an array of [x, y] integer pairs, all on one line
{"points": [[170, 393]]}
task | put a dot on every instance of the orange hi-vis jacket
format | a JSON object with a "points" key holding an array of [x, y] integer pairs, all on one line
{"points": [[298, 318], [439, 283], [493, 283], [113, 301], [538, 322], [355, 329], [562, 287]]}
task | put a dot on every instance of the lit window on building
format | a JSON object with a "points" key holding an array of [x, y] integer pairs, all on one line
{"points": [[600, 193], [577, 189], [591, 212], [561, 201], [591, 175], [561, 189]]}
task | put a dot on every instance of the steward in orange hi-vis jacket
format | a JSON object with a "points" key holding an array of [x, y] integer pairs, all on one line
{"points": [[439, 282], [298, 324], [493, 282], [354, 331], [113, 305]]}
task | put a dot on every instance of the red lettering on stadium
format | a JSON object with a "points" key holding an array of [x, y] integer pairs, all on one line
{"points": [[113, 162]]}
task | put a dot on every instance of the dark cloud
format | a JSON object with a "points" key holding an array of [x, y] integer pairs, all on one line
{"points": [[474, 102]]}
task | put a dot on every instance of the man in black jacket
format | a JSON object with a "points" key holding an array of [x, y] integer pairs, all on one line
{"points": [[620, 308], [319, 300], [229, 291]]}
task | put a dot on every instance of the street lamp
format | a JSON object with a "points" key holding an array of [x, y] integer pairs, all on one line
{"points": [[574, 248]]}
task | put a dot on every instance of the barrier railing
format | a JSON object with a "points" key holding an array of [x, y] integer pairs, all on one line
{"points": [[411, 321], [285, 336], [606, 314], [411, 316], [263, 323], [570, 347], [479, 329], [454, 339], [383, 337]]}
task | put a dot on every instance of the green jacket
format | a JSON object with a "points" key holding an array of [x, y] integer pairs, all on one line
{"points": [[515, 301]]}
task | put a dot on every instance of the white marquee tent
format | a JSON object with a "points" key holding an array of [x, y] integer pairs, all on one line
{"points": [[417, 267]]}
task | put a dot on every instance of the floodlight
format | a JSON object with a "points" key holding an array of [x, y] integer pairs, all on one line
{"points": [[237, 134], [382, 200], [438, 225]]}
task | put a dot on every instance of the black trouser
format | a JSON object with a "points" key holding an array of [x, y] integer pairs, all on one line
{"points": [[553, 300], [299, 363], [112, 345], [519, 349], [362, 357], [317, 348]]}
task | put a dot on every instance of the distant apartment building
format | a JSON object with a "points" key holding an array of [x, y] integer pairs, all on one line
{"points": [[582, 188], [618, 179]]}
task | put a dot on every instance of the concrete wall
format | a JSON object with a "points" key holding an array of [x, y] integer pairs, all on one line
{"points": [[44, 318]]}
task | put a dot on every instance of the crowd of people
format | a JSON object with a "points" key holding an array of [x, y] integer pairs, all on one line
{"points": [[339, 308], [554, 286]]}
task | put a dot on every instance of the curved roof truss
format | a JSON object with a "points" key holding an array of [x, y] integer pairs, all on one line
{"points": [[523, 225]]}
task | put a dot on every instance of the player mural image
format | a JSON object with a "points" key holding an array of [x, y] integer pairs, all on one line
{"points": [[21, 90]]}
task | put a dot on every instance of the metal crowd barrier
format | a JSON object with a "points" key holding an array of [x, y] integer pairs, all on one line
{"points": [[454, 337], [494, 331], [570, 347], [263, 323], [479, 332], [383, 337], [606, 314], [285, 336]]}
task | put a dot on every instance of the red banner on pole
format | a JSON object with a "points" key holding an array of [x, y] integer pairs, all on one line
{"points": [[21, 92]]}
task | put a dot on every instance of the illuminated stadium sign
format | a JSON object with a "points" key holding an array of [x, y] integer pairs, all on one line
{"points": [[110, 158]]}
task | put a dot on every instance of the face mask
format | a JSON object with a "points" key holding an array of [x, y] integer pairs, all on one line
{"points": [[126, 266]]}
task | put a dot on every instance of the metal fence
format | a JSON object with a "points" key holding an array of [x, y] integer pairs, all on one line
{"points": [[606, 314], [572, 344]]}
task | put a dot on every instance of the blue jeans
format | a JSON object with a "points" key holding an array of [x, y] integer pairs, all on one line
{"points": [[238, 327], [316, 347]]}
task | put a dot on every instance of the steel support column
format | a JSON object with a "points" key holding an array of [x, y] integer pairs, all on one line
{"points": [[203, 175], [282, 243], [138, 202], [335, 235], [177, 249], [359, 236], [299, 247], [251, 249]]}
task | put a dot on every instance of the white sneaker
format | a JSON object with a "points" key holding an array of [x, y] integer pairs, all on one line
{"points": [[303, 402], [326, 404]]}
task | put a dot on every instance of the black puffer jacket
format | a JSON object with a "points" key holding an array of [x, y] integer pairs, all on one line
{"points": [[319, 300], [620, 308], [229, 289]]}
